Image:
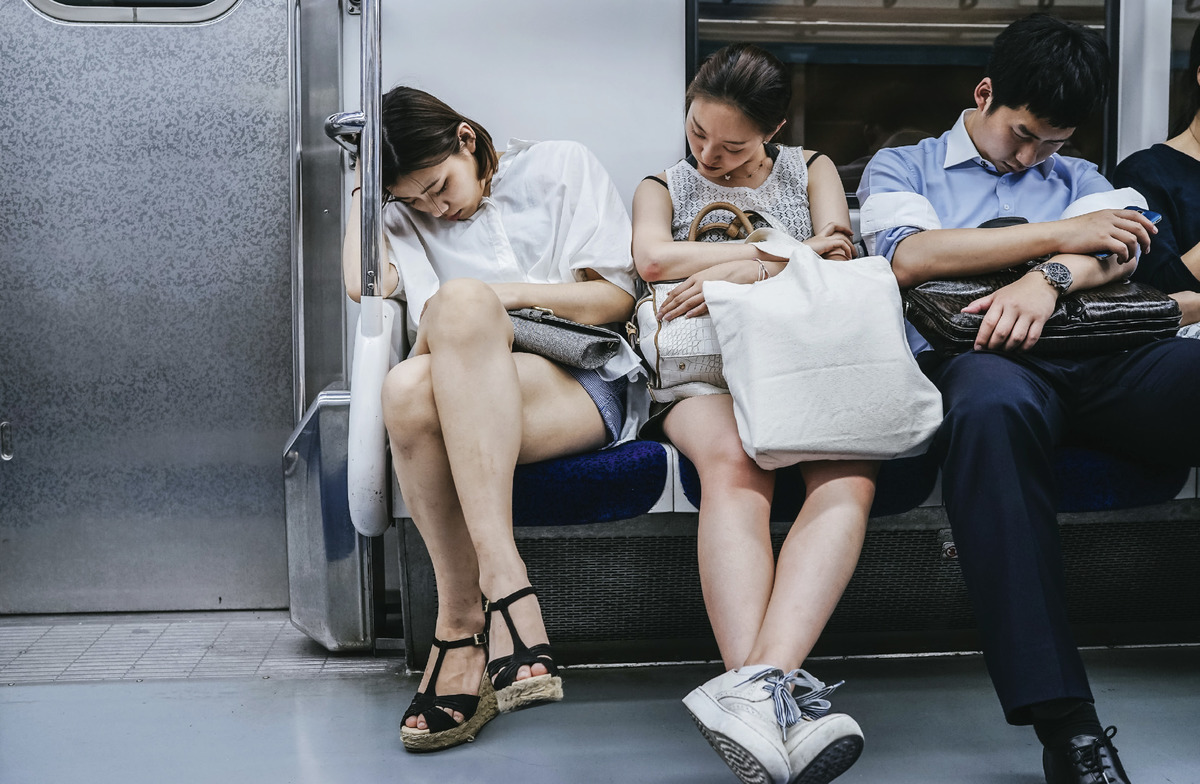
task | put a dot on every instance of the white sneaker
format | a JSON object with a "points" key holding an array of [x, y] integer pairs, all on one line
{"points": [[736, 713], [822, 745]]}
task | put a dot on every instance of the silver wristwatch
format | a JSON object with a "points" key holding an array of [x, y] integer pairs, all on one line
{"points": [[1057, 274]]}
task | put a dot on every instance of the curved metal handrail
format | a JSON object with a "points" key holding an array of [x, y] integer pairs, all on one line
{"points": [[345, 128]]}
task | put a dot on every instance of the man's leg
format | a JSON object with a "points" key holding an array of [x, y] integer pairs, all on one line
{"points": [[1003, 420], [1145, 404]]}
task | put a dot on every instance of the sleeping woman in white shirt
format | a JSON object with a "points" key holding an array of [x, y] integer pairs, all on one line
{"points": [[472, 234]]}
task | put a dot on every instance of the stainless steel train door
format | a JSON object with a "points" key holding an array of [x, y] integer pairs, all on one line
{"points": [[146, 360]]}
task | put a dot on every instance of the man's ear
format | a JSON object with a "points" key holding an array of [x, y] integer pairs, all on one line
{"points": [[984, 95]]}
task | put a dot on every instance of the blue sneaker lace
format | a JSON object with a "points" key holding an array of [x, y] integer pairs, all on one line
{"points": [[790, 710]]}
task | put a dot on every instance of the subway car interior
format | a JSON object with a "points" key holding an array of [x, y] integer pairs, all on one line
{"points": [[189, 405]]}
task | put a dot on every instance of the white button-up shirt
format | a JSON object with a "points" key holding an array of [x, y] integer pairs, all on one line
{"points": [[553, 212]]}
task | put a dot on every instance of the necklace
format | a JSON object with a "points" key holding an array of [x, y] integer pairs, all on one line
{"points": [[758, 168]]}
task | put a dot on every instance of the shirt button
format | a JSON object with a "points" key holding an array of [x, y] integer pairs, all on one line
{"points": [[1007, 207]]}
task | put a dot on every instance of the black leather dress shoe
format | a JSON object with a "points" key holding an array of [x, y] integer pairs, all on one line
{"points": [[1085, 759]]}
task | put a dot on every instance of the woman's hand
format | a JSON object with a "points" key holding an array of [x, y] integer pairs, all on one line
{"points": [[832, 242], [687, 299]]}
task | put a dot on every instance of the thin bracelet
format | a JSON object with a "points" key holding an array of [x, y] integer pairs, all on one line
{"points": [[355, 190], [762, 270]]}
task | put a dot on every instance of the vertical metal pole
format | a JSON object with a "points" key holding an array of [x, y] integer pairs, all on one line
{"points": [[369, 152]]}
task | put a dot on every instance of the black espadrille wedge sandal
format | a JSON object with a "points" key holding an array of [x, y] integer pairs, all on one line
{"points": [[442, 730], [511, 693]]}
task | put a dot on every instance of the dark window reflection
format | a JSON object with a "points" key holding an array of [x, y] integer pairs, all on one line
{"points": [[868, 77]]}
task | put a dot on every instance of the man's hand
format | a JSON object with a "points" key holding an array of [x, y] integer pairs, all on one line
{"points": [[1015, 314], [1117, 232], [687, 299]]}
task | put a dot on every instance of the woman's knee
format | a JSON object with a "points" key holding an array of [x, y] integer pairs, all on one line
{"points": [[408, 405], [723, 460], [465, 310], [849, 486]]}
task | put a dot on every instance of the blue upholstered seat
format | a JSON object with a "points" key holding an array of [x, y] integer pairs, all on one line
{"points": [[1091, 481], [597, 487], [626, 481]]}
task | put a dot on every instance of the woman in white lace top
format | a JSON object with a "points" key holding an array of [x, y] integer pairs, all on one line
{"points": [[766, 616]]}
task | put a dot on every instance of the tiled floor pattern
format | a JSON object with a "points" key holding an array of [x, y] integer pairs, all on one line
{"points": [[103, 648]]}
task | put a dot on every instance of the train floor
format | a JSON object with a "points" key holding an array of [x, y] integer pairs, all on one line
{"points": [[243, 697]]}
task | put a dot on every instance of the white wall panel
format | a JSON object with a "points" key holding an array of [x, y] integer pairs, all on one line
{"points": [[610, 73]]}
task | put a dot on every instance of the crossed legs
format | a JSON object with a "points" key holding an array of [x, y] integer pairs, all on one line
{"points": [[460, 415], [762, 612]]}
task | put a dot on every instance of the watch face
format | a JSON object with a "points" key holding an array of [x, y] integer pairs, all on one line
{"points": [[1057, 274]]}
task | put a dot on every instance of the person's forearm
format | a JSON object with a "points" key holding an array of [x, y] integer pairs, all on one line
{"points": [[352, 245], [677, 260], [1088, 272], [1189, 305], [352, 254], [957, 253], [1191, 260], [588, 302]]}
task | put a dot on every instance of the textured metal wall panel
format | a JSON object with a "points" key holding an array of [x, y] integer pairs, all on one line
{"points": [[322, 293], [145, 312]]}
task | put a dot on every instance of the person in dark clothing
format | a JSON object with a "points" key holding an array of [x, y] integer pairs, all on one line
{"points": [[1168, 175]]}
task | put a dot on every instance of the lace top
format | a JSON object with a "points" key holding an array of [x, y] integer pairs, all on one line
{"points": [[783, 196]]}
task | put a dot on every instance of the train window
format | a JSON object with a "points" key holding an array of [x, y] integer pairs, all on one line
{"points": [[868, 74], [148, 11], [1185, 16]]}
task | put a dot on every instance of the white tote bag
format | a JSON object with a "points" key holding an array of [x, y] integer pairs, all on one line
{"points": [[818, 365]]}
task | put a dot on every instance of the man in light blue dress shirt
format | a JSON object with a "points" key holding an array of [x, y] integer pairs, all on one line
{"points": [[1006, 409]]}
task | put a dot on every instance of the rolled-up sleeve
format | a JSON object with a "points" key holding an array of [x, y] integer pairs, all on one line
{"points": [[597, 232], [892, 204]]}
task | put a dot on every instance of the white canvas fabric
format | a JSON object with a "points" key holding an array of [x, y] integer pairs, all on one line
{"points": [[818, 365]]}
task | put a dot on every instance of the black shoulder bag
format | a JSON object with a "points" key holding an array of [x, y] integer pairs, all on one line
{"points": [[1114, 317]]}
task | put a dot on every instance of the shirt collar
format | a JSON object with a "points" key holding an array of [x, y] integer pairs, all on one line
{"points": [[960, 149]]}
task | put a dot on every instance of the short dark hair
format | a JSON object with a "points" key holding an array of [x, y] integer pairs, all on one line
{"points": [[750, 79], [1189, 88], [419, 131], [1056, 69]]}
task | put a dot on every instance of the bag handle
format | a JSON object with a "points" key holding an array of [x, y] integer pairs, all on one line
{"points": [[739, 227]]}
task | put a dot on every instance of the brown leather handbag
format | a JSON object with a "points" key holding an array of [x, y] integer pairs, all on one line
{"points": [[1114, 317], [738, 228]]}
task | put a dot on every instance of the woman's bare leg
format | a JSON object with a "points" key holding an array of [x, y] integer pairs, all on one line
{"points": [[737, 564], [496, 408], [817, 560], [419, 458]]}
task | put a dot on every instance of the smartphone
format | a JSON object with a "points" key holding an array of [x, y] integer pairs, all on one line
{"points": [[1150, 215]]}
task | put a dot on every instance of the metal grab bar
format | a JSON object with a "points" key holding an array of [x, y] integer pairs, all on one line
{"points": [[369, 150], [366, 460], [345, 128]]}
